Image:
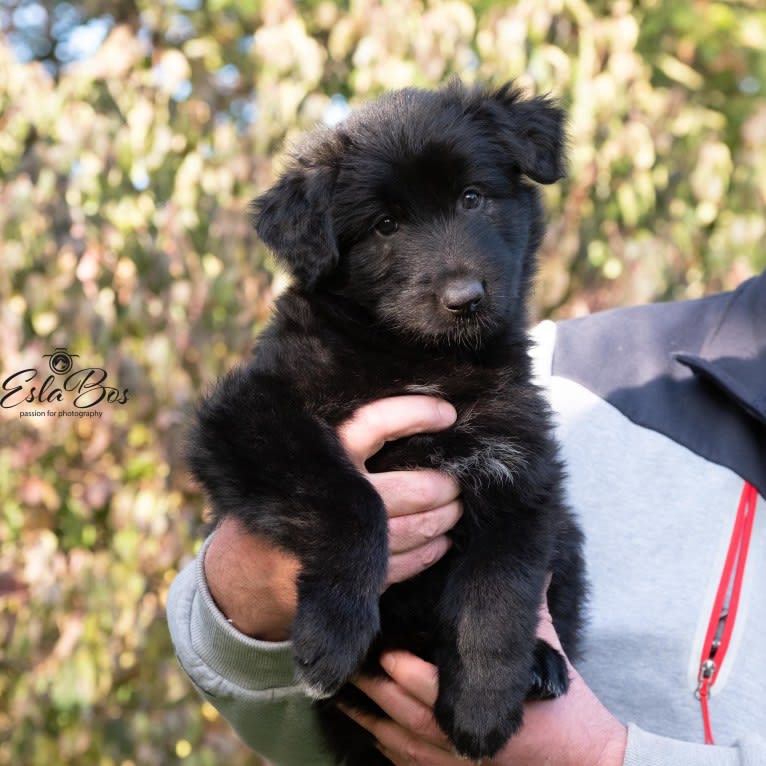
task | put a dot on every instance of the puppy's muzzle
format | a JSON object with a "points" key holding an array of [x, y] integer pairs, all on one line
{"points": [[463, 296]]}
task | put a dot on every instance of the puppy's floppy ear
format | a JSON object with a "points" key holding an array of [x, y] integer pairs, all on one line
{"points": [[293, 219], [531, 132]]}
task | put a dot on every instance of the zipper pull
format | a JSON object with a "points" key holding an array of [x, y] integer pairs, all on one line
{"points": [[705, 679]]}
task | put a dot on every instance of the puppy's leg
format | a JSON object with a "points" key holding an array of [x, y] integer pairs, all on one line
{"points": [[566, 598], [568, 591], [341, 579], [262, 458], [488, 653]]}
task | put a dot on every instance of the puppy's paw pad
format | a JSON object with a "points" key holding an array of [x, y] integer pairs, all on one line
{"points": [[550, 675]]}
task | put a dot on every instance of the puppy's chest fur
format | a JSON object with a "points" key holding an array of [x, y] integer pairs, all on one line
{"points": [[333, 363]]}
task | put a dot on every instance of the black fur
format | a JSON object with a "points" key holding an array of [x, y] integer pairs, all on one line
{"points": [[411, 231]]}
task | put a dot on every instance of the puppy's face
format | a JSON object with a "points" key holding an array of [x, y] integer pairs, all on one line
{"points": [[434, 240], [418, 210]]}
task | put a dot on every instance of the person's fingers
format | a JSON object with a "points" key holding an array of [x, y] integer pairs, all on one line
{"points": [[416, 676], [417, 538], [408, 492], [406, 533], [399, 745], [403, 566], [418, 754], [374, 424], [403, 708]]}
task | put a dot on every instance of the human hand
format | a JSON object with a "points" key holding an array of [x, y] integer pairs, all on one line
{"points": [[573, 730], [422, 505], [254, 583]]}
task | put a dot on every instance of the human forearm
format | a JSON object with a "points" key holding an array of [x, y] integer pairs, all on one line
{"points": [[251, 582], [249, 682]]}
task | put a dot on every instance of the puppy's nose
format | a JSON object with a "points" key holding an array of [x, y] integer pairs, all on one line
{"points": [[463, 296]]}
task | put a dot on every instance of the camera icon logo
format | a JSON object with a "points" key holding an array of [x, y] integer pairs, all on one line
{"points": [[60, 361]]}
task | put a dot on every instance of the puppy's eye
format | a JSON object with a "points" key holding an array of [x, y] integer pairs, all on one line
{"points": [[387, 226], [471, 199]]}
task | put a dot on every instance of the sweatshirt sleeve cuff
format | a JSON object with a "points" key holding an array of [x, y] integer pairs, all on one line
{"points": [[645, 749], [244, 661]]}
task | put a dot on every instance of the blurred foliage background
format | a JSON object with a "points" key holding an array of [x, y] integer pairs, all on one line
{"points": [[133, 134]]}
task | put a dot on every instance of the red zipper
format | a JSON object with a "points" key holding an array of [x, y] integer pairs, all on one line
{"points": [[724, 612]]}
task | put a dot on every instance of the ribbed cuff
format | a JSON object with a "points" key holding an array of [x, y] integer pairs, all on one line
{"points": [[645, 749], [247, 662]]}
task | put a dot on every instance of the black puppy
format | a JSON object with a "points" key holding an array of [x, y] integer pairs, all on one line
{"points": [[410, 230]]}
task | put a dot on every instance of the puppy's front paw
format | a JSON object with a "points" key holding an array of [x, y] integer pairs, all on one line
{"points": [[550, 676], [480, 723], [330, 640], [480, 705]]}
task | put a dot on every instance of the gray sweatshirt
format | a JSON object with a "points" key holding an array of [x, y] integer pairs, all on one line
{"points": [[655, 485]]}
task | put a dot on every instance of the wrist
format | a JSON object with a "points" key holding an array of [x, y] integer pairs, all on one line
{"points": [[591, 734], [251, 582], [614, 745], [608, 736]]}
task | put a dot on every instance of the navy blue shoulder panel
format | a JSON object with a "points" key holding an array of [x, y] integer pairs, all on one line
{"points": [[694, 371]]}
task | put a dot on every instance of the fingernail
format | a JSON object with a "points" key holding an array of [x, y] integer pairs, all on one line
{"points": [[446, 411], [388, 662]]}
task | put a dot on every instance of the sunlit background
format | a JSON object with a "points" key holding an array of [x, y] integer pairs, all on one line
{"points": [[133, 134]]}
